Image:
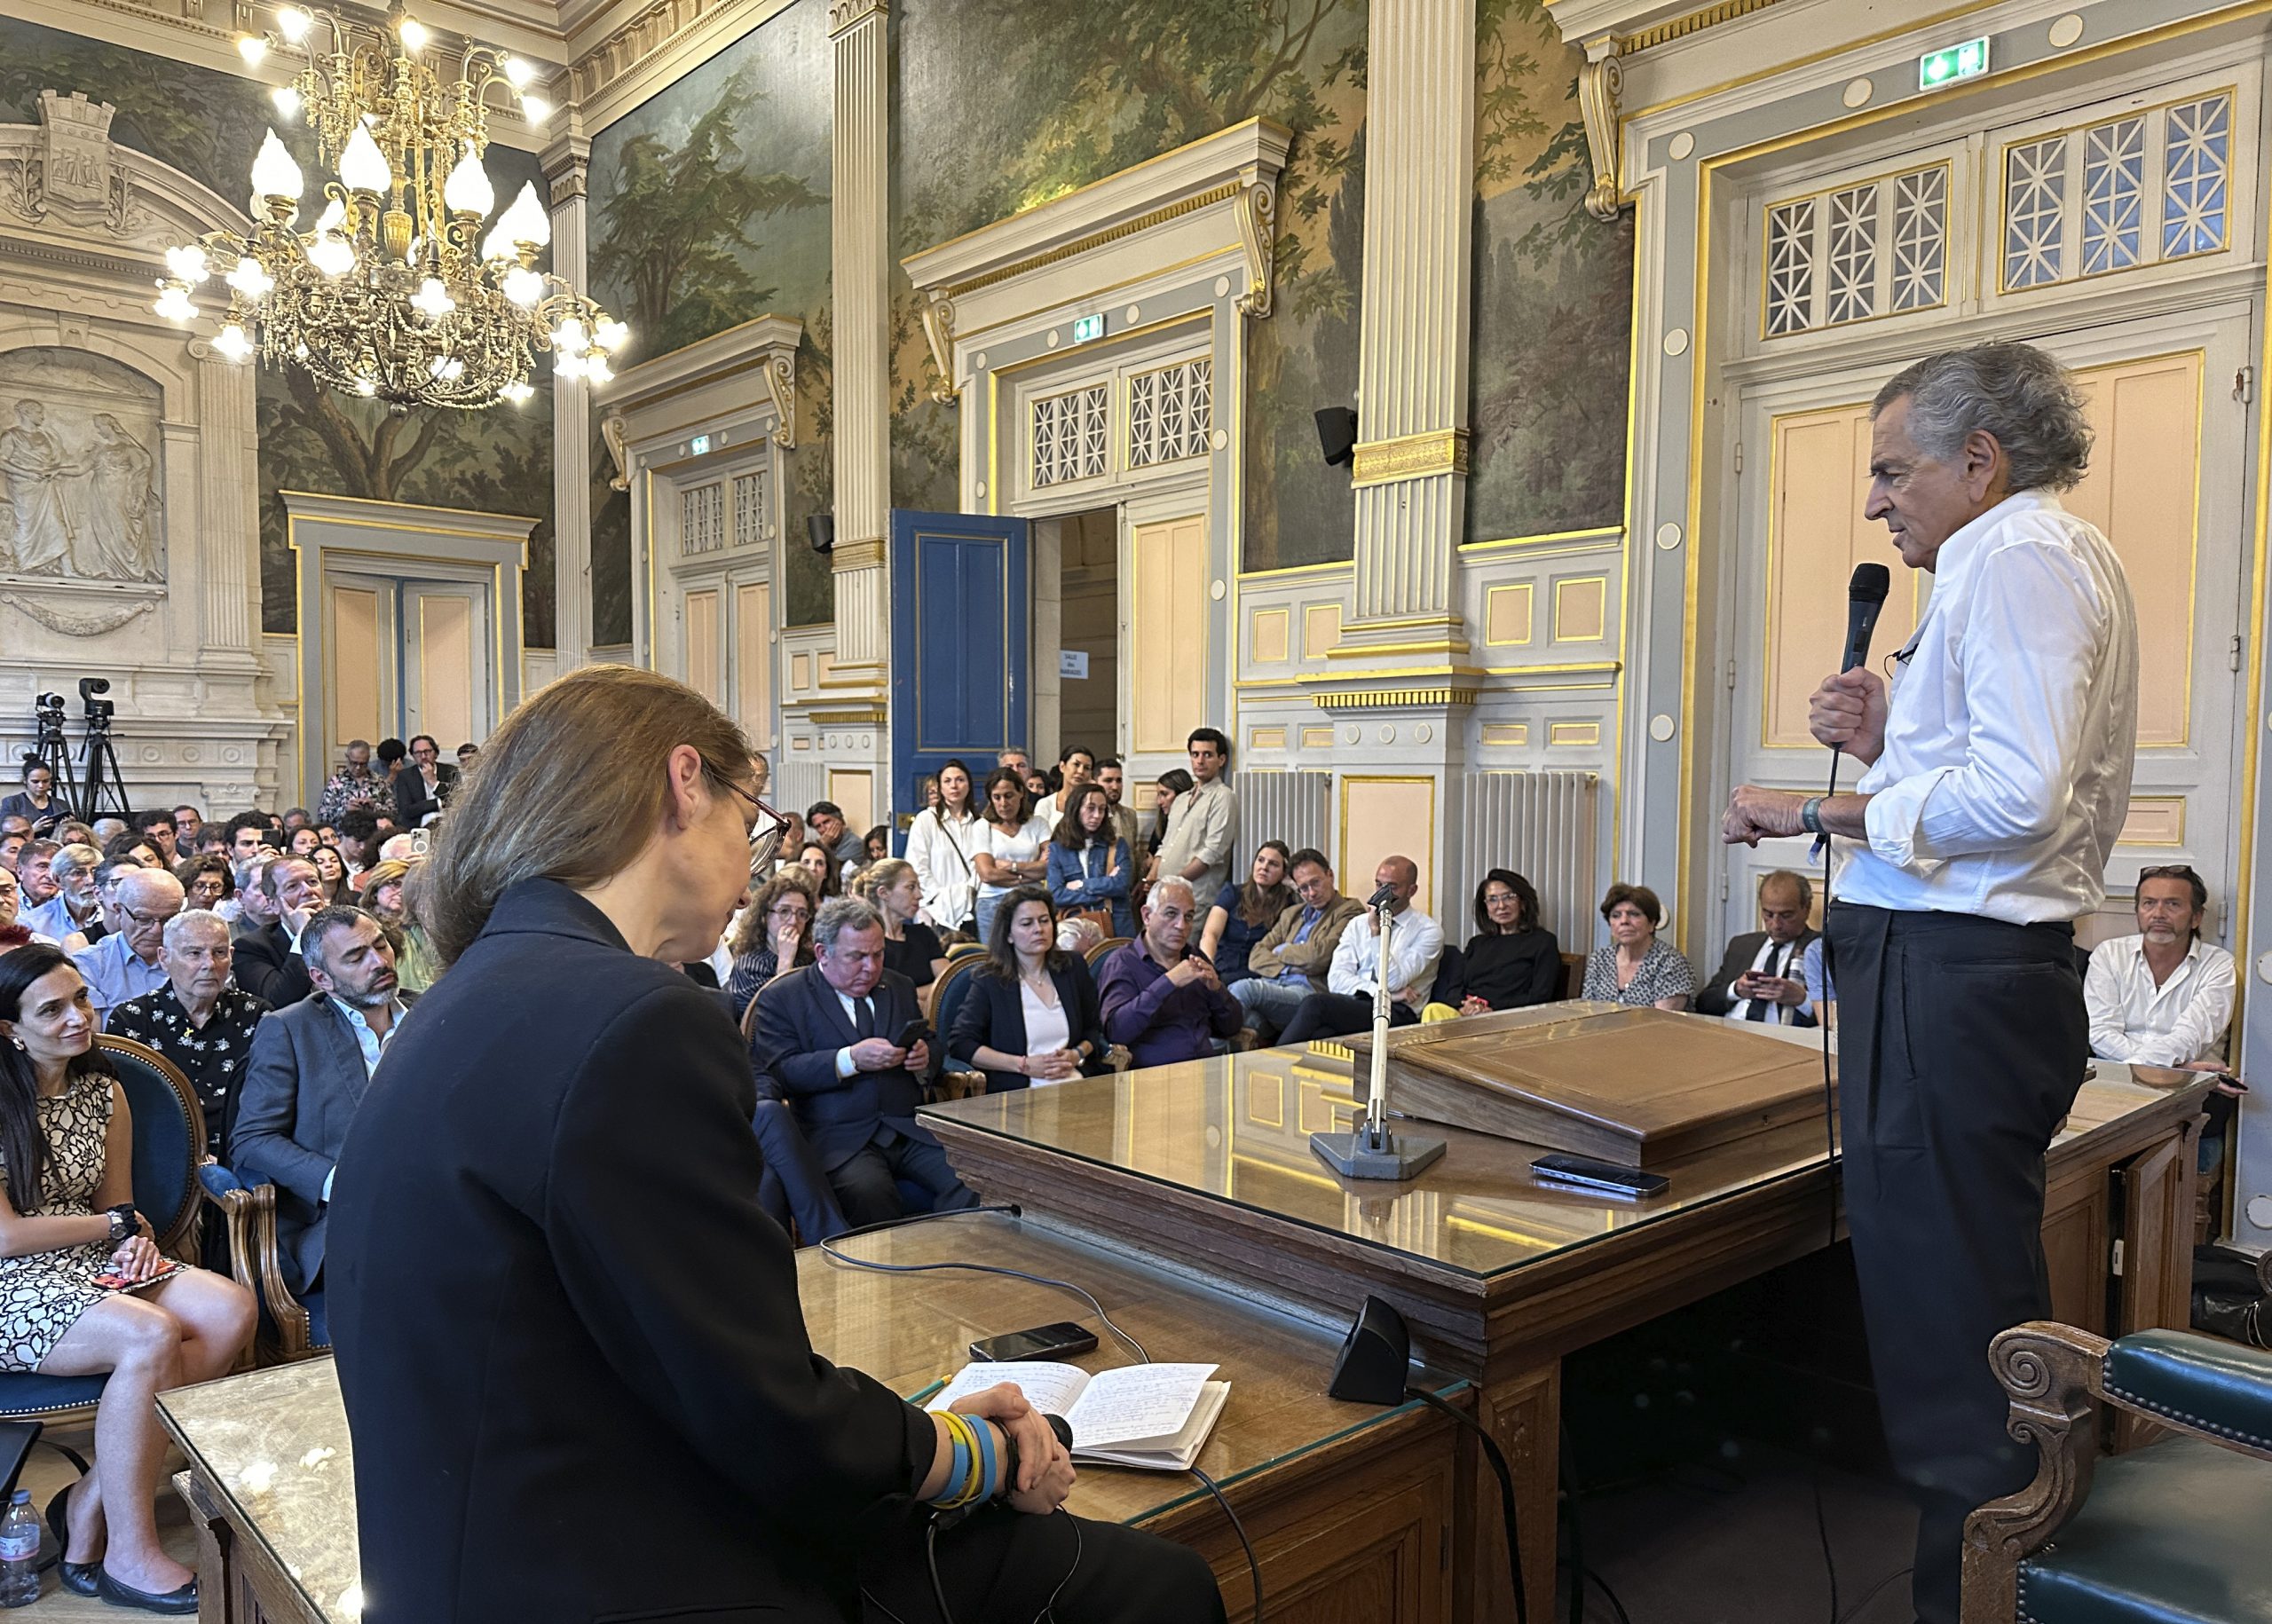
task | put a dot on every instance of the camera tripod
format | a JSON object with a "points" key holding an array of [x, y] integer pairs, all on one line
{"points": [[104, 782], [53, 751]]}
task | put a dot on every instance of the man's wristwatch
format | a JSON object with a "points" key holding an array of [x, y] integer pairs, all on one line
{"points": [[121, 1222], [1810, 814]]}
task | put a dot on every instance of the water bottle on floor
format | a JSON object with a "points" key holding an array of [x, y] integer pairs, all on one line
{"points": [[20, 1553]]}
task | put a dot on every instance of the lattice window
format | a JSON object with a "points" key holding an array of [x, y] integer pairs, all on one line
{"points": [[2148, 187], [1069, 438], [1853, 255], [2034, 212], [702, 518], [1171, 412], [2114, 193], [1920, 240], [1790, 267], [1877, 248], [2197, 176], [749, 508]]}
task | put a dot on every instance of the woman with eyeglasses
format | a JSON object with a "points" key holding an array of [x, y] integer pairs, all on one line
{"points": [[774, 937], [543, 1260], [206, 881]]}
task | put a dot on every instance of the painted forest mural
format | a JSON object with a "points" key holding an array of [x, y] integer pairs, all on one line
{"points": [[998, 107], [1550, 335], [209, 125], [709, 207]]}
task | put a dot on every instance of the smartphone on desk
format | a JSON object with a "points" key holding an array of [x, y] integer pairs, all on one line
{"points": [[1599, 1177], [1056, 1341]]}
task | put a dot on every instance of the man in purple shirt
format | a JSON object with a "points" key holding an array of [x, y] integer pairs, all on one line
{"points": [[1162, 1000]]}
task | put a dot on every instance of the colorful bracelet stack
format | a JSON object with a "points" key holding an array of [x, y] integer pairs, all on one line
{"points": [[976, 1471]]}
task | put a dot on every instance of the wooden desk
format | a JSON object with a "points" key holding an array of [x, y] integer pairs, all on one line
{"points": [[1350, 1507], [1208, 1165]]}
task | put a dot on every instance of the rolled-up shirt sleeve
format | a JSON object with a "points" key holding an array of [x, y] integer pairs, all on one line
{"points": [[2030, 647]]}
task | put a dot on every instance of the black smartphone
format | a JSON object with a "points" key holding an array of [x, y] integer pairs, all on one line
{"points": [[1042, 1342], [914, 1032], [1602, 1178]]}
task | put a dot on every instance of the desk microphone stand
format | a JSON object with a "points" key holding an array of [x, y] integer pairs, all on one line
{"points": [[1370, 1150]]}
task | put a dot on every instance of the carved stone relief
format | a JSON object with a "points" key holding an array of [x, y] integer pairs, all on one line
{"points": [[79, 481]]}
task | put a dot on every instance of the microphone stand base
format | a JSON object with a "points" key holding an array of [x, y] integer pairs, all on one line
{"points": [[1359, 1154]]}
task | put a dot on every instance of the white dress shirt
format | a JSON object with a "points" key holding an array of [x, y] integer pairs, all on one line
{"points": [[1415, 943], [1789, 957], [2183, 1018], [2006, 774], [939, 850]]}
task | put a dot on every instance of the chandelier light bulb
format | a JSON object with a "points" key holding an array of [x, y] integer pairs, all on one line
{"points": [[187, 264], [293, 23], [526, 220], [232, 343], [568, 337], [609, 334], [366, 386], [362, 165], [250, 279], [433, 298], [174, 301], [414, 36], [273, 172], [467, 190], [524, 287], [568, 366], [596, 370], [286, 100], [332, 253], [517, 391], [518, 74], [536, 109], [251, 47]]}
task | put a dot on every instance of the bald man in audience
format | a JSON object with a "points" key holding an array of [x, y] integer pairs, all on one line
{"points": [[1161, 998], [1762, 977]]}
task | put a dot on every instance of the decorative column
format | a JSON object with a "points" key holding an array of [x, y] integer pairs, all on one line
{"points": [[566, 164], [229, 560], [1411, 470]]}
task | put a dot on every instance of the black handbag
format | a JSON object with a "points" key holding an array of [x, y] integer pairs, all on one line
{"points": [[2232, 1295]]}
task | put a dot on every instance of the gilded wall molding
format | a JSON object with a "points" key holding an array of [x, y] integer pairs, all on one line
{"points": [[939, 333], [1415, 456], [1393, 698], [1601, 81], [1097, 240], [611, 430], [867, 554], [1694, 22], [1257, 233], [781, 385]]}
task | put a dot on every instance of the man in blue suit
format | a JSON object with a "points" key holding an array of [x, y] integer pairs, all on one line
{"points": [[827, 1035]]}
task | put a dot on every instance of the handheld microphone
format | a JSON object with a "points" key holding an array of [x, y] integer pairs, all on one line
{"points": [[1381, 898], [1865, 599]]}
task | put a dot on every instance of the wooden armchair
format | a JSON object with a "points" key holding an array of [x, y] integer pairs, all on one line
{"points": [[291, 1329], [2178, 1528]]}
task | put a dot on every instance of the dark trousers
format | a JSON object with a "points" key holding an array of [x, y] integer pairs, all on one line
{"points": [[867, 1182], [795, 1186], [1334, 1014], [1961, 1044], [1002, 1566]]}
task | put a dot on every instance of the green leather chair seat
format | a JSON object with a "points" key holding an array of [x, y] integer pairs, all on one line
{"points": [[2177, 1533]]}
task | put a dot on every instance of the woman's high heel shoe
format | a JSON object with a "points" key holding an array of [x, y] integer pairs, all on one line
{"points": [[79, 1578]]}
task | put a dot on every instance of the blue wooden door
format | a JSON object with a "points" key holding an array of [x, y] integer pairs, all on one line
{"points": [[958, 648]]}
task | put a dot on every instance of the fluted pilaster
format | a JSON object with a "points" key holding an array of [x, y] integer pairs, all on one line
{"points": [[860, 228], [230, 530], [565, 166]]}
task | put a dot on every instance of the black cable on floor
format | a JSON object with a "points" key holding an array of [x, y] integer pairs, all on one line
{"points": [[1871, 1595], [1822, 1531], [1253, 1567], [1616, 1606]]}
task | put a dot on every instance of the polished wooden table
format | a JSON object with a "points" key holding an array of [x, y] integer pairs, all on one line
{"points": [[1350, 1507], [1208, 1165]]}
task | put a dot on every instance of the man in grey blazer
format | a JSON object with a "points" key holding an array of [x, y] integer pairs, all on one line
{"points": [[310, 1064]]}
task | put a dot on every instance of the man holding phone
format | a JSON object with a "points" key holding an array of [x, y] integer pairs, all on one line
{"points": [[1760, 979], [845, 1040]]}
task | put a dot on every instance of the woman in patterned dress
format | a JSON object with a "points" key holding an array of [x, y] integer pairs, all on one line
{"points": [[1634, 968], [67, 1150]]}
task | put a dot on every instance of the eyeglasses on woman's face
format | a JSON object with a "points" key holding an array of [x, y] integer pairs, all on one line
{"points": [[766, 831]]}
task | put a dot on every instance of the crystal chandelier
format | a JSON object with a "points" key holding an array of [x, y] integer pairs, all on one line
{"points": [[394, 294]]}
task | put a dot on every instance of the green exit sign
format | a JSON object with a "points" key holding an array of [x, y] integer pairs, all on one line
{"points": [[1087, 327], [1952, 63]]}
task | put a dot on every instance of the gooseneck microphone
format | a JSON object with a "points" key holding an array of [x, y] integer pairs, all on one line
{"points": [[1865, 598]]}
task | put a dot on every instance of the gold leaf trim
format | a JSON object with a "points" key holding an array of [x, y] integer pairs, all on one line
{"points": [[1392, 698], [1414, 456]]}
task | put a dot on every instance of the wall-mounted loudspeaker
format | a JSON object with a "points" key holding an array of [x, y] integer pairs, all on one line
{"points": [[821, 528], [1337, 434]]}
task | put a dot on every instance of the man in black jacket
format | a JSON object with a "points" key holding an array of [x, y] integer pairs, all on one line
{"points": [[424, 783], [268, 961], [827, 1034], [1759, 978]]}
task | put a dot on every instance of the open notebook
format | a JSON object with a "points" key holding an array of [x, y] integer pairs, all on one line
{"points": [[1153, 1417]]}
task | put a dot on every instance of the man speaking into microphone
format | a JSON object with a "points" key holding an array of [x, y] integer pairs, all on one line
{"points": [[1997, 775]]}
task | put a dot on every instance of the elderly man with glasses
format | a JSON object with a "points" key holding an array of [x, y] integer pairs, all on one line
{"points": [[125, 963]]}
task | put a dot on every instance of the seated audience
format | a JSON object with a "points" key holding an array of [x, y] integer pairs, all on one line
{"points": [[1291, 960], [354, 787], [304, 841], [772, 936], [77, 904], [124, 964], [206, 881], [293, 821], [875, 845], [157, 827], [911, 948], [1089, 864], [1242, 915], [822, 871], [465, 754], [254, 909], [199, 1019], [1032, 1015], [2164, 996], [14, 934], [1822, 992], [311, 1063], [360, 839], [270, 963], [37, 803], [940, 844], [13, 839], [824, 819], [1761, 977], [1113, 777], [1008, 849], [106, 831], [1172, 783], [1161, 999], [384, 889], [107, 920], [828, 1037], [1197, 846], [140, 847], [248, 832], [34, 869], [1079, 934], [189, 823], [1511, 962], [213, 839], [1633, 967], [1416, 946], [423, 786], [331, 874], [68, 1149]]}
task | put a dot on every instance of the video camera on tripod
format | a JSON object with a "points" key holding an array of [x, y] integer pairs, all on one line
{"points": [[104, 794]]}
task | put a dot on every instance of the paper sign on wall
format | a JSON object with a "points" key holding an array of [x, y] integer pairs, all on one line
{"points": [[1073, 663]]}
